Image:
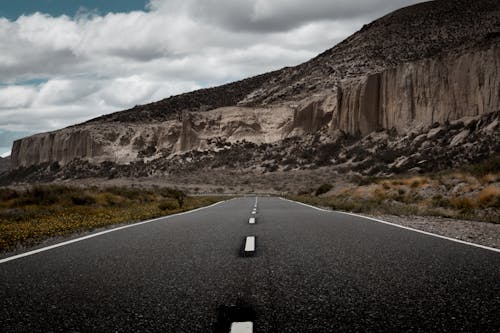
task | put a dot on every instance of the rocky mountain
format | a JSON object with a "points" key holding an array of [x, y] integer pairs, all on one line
{"points": [[426, 71], [4, 164], [426, 149]]}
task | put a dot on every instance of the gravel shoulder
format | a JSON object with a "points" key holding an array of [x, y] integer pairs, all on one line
{"points": [[483, 233]]}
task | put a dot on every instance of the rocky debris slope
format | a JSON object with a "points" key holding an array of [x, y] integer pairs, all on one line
{"points": [[435, 62], [426, 149], [200, 100]]}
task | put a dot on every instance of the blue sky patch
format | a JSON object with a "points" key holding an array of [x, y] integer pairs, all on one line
{"points": [[30, 82], [13, 9]]}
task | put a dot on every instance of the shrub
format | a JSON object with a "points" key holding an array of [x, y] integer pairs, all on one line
{"points": [[82, 199], [490, 197], [129, 193], [361, 180], [8, 194], [109, 200], [489, 165], [462, 203], [415, 182], [46, 195], [323, 189], [168, 204], [439, 201], [305, 192], [173, 193]]}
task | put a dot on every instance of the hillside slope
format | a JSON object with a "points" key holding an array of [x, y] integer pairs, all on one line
{"points": [[409, 34], [429, 64]]}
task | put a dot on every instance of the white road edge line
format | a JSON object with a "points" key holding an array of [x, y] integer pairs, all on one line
{"points": [[251, 220], [399, 226], [241, 327], [29, 253], [250, 244]]}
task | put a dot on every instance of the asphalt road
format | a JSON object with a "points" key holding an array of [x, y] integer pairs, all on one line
{"points": [[312, 271]]}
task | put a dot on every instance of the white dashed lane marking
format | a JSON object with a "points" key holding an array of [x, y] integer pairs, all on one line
{"points": [[242, 327], [250, 244], [251, 220]]}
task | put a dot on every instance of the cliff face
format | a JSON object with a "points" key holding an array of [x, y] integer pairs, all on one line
{"points": [[412, 94], [433, 62], [442, 89], [127, 142], [421, 93], [4, 164], [60, 146]]}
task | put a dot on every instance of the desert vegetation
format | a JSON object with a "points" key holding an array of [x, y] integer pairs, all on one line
{"points": [[31, 215], [471, 193]]}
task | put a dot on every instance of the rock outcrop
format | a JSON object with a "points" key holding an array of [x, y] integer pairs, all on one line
{"points": [[421, 93], [4, 164], [382, 153], [434, 62]]}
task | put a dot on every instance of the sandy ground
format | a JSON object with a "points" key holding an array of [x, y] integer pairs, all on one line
{"points": [[482, 233]]}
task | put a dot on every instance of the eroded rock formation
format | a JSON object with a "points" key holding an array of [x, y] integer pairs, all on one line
{"points": [[391, 75]]}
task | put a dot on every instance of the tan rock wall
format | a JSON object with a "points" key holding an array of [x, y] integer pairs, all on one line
{"points": [[412, 94], [437, 90], [421, 93], [61, 146]]}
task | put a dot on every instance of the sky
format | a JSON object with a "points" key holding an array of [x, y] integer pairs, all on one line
{"points": [[66, 61]]}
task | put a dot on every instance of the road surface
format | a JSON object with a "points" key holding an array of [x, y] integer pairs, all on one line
{"points": [[306, 271]]}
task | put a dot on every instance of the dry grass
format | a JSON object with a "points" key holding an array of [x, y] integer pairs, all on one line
{"points": [[490, 196], [462, 194], [414, 182], [33, 215], [489, 178]]}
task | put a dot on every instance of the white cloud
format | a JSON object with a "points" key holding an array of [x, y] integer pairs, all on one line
{"points": [[13, 97], [91, 64], [64, 91]]}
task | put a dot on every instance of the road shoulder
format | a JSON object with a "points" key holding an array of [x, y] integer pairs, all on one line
{"points": [[482, 233]]}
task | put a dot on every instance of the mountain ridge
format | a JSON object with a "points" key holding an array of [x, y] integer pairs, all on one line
{"points": [[408, 69], [375, 61]]}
